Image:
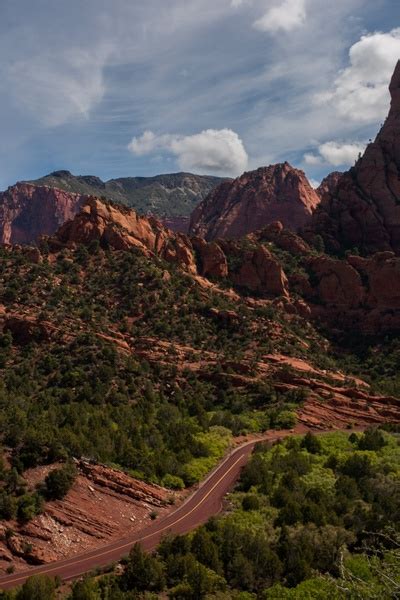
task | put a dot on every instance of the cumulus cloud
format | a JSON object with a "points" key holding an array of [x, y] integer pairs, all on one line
{"points": [[336, 154], [286, 16], [360, 91], [312, 159], [219, 151], [56, 88]]}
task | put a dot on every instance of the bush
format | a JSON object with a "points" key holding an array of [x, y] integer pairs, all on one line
{"points": [[250, 502], [142, 572], [38, 587], [311, 443], [372, 439], [357, 466], [59, 482], [286, 420], [173, 482]]}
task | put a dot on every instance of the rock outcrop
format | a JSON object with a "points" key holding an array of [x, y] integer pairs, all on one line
{"points": [[28, 211], [212, 261], [353, 293], [254, 200], [363, 210], [261, 273], [104, 504], [282, 238], [121, 228], [329, 184]]}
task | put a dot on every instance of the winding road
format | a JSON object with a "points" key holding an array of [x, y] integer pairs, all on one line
{"points": [[204, 502]]}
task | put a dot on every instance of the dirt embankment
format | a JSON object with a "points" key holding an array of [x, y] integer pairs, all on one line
{"points": [[103, 504]]}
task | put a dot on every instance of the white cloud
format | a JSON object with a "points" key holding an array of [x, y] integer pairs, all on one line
{"points": [[336, 154], [312, 159], [286, 16], [360, 91], [219, 151], [56, 88]]}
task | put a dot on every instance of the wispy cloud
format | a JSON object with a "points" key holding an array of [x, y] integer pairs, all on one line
{"points": [[61, 86], [79, 78], [285, 16]]}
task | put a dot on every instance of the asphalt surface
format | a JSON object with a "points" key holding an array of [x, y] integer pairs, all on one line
{"points": [[205, 502]]}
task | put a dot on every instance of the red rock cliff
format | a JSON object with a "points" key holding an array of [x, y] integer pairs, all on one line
{"points": [[363, 210], [254, 200], [28, 211]]}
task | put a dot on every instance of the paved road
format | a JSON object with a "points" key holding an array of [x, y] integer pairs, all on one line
{"points": [[197, 509]]}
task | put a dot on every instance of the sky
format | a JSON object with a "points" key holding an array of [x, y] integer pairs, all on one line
{"points": [[119, 88]]}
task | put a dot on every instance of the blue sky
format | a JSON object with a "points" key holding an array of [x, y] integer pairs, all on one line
{"points": [[125, 87]]}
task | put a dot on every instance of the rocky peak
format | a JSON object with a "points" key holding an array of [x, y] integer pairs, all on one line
{"points": [[329, 184], [256, 199], [363, 210], [394, 89]]}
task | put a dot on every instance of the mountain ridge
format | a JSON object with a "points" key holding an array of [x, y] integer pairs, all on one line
{"points": [[165, 195]]}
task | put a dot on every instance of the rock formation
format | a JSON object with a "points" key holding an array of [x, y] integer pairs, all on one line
{"points": [[352, 294], [120, 228], [28, 211], [254, 200], [363, 210], [329, 184], [261, 273]]}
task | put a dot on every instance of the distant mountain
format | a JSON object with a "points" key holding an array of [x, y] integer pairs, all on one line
{"points": [[254, 200], [174, 195]]}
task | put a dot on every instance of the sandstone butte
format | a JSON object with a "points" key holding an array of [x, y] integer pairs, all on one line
{"points": [[363, 209], [254, 200]]}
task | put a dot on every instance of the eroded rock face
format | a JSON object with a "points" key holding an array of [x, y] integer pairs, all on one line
{"points": [[121, 228], [212, 259], [254, 200], [381, 274], [339, 284], [283, 238], [329, 184], [261, 273], [363, 210], [354, 294], [28, 211]]}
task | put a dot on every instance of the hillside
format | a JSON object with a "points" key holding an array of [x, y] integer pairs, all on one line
{"points": [[117, 334], [170, 195]]}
